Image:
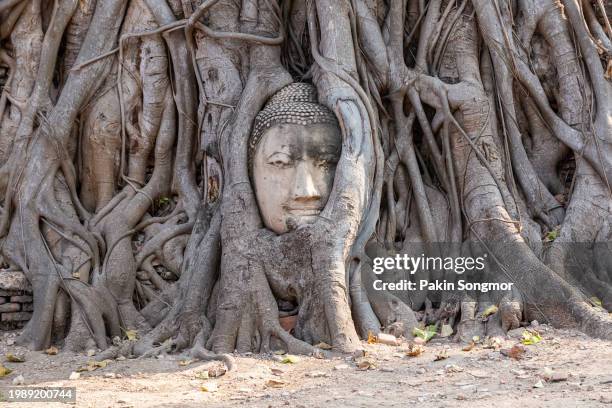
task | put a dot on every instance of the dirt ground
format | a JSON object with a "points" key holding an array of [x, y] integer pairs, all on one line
{"points": [[581, 368]]}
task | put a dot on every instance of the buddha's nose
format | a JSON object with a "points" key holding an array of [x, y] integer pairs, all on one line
{"points": [[304, 187]]}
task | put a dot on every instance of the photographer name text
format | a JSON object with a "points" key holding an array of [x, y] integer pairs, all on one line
{"points": [[412, 265]]}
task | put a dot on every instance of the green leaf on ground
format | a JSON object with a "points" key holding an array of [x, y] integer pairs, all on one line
{"points": [[426, 334], [552, 235], [531, 337], [163, 200], [290, 359]]}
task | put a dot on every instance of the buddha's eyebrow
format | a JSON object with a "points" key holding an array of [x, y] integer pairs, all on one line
{"points": [[290, 149], [277, 154], [316, 150]]}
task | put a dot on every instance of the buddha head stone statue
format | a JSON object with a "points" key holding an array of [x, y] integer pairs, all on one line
{"points": [[293, 151]]}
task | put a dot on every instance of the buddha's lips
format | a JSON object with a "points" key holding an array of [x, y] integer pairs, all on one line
{"points": [[304, 211]]}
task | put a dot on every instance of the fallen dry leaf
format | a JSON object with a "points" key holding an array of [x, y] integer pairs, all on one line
{"points": [[15, 358], [492, 343], [489, 311], [442, 355], [93, 365], [415, 350], [366, 363], [4, 371], [101, 364], [469, 347], [131, 335], [516, 352], [52, 351], [323, 346], [275, 383], [277, 372]]}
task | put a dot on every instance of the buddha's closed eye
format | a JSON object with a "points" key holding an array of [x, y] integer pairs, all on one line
{"points": [[326, 161], [280, 160]]}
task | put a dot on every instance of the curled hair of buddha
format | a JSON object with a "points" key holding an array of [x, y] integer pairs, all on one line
{"points": [[297, 104]]}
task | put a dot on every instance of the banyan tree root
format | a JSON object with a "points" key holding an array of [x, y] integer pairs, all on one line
{"points": [[124, 124]]}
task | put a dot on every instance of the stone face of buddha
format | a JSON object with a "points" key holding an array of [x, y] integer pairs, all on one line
{"points": [[293, 173]]}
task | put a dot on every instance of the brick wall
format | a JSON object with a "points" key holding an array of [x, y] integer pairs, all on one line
{"points": [[15, 300]]}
